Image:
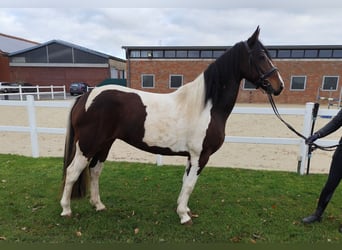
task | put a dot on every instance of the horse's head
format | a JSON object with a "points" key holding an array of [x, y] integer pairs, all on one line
{"points": [[258, 67]]}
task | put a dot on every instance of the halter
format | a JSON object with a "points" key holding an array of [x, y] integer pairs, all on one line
{"points": [[262, 82]]}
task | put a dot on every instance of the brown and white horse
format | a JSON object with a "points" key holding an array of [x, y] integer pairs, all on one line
{"points": [[188, 122]]}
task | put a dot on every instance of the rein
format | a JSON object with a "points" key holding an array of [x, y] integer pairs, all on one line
{"points": [[314, 145]]}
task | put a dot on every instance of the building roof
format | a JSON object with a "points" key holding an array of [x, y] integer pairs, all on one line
{"points": [[67, 44], [10, 44]]}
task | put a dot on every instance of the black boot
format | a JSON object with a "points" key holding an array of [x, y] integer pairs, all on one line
{"points": [[316, 216]]}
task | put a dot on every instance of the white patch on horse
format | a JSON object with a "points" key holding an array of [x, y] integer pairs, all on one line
{"points": [[95, 173], [179, 121]]}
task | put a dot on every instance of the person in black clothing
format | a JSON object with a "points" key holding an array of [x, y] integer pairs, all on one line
{"points": [[335, 173]]}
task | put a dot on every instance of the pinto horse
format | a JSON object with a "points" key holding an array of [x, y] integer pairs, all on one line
{"points": [[189, 122]]}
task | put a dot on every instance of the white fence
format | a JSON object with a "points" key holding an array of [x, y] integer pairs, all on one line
{"points": [[37, 90], [31, 104]]}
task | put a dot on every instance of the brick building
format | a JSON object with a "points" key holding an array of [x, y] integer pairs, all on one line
{"points": [[60, 63], [308, 71]]}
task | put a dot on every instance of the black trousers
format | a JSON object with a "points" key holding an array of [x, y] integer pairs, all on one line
{"points": [[334, 178]]}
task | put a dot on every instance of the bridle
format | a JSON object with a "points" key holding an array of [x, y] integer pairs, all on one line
{"points": [[262, 82]]}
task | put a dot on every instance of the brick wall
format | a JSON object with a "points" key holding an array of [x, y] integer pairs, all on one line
{"points": [[314, 70], [4, 69], [58, 76]]}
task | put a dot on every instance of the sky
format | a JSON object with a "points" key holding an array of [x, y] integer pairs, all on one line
{"points": [[106, 27]]}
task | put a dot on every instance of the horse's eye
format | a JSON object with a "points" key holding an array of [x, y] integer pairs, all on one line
{"points": [[262, 57]]}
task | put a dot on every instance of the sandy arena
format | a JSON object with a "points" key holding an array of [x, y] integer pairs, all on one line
{"points": [[251, 156]]}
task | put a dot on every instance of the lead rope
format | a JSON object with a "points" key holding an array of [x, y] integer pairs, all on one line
{"points": [[314, 145]]}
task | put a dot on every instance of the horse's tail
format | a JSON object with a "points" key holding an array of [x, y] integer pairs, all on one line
{"points": [[80, 187]]}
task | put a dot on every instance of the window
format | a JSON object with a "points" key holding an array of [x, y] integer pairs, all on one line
{"points": [[157, 53], [247, 85], [34, 56], [337, 53], [297, 53], [273, 53], [181, 53], [135, 53], [283, 53], [146, 53], [325, 53], [330, 83], [218, 53], [59, 53], [170, 53], [193, 53], [176, 81], [311, 53], [84, 57], [147, 81], [206, 53], [298, 83]]}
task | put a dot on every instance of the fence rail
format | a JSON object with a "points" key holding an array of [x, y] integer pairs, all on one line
{"points": [[38, 91], [31, 104]]}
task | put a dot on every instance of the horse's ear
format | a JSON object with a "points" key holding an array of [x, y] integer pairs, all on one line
{"points": [[251, 41]]}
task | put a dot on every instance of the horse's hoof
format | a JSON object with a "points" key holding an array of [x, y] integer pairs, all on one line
{"points": [[101, 209], [68, 215], [188, 223], [193, 215]]}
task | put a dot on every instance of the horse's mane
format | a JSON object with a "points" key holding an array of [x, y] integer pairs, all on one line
{"points": [[224, 71]]}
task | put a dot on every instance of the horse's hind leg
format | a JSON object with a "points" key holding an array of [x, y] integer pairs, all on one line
{"points": [[78, 164], [96, 166], [95, 173]]}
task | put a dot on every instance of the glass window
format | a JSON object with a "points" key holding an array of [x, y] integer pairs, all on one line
{"points": [[283, 53], [311, 53], [59, 53], [170, 53], [157, 53], [297, 53], [135, 53], [81, 56], [298, 83], [330, 83], [147, 81], [247, 85], [206, 53], [181, 53], [176, 81], [272, 52], [193, 53], [337, 53], [218, 53], [325, 53], [146, 53], [35, 56]]}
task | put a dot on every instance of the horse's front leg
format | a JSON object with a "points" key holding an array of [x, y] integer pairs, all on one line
{"points": [[189, 181], [95, 173]]}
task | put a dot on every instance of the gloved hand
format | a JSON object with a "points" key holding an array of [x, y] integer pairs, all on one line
{"points": [[312, 138]]}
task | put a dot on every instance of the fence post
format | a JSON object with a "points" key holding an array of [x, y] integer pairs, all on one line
{"points": [[20, 92], [159, 160], [38, 96], [52, 95], [64, 92], [306, 132], [33, 126]]}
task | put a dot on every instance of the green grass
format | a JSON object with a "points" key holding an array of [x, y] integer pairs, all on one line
{"points": [[234, 206]]}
